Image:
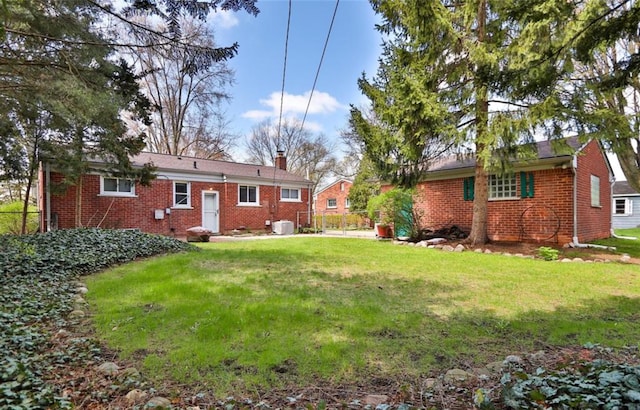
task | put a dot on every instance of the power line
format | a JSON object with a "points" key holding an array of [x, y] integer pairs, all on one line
{"points": [[284, 75], [315, 80]]}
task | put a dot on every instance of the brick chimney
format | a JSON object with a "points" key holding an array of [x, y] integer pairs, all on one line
{"points": [[281, 160]]}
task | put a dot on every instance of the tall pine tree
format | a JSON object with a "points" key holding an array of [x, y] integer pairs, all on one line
{"points": [[456, 75]]}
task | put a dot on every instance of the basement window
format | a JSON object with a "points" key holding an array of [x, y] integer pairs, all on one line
{"points": [[117, 187]]}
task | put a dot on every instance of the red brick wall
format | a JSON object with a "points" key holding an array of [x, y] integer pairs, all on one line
{"points": [[548, 216], [138, 212], [338, 191], [593, 222]]}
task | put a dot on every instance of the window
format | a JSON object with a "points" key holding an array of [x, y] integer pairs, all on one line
{"points": [[181, 194], [332, 203], [622, 206], [248, 195], [341, 186], [290, 194], [117, 187], [595, 191], [347, 203], [503, 187]]}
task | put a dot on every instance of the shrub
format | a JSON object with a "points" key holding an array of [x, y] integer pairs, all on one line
{"points": [[37, 278], [593, 385], [548, 253], [11, 218]]}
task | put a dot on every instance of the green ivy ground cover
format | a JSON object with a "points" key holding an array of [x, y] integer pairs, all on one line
{"points": [[38, 275]]}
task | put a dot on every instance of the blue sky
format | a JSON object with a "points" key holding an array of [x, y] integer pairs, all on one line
{"points": [[354, 47]]}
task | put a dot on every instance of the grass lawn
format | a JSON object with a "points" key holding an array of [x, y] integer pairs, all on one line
{"points": [[256, 315], [628, 246]]}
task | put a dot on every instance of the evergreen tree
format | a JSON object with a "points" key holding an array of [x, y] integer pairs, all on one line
{"points": [[63, 90], [456, 75]]}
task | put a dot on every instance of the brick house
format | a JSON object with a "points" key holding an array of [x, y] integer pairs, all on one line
{"points": [[219, 195], [558, 197], [333, 199]]}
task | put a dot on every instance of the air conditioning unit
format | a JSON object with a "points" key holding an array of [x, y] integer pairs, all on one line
{"points": [[283, 228]]}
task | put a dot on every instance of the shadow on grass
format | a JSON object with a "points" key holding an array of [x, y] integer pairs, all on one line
{"points": [[262, 318]]}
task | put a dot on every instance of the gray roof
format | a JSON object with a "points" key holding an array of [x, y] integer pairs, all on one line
{"points": [[565, 147], [623, 188], [192, 165]]}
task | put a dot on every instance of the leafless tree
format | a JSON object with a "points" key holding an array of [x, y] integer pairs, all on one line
{"points": [[187, 117], [308, 155]]}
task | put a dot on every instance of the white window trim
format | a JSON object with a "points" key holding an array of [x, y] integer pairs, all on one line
{"points": [[257, 203], [132, 193], [188, 204], [595, 191], [332, 206], [628, 207], [299, 199], [502, 179], [347, 203]]}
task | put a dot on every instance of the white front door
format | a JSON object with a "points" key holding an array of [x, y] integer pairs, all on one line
{"points": [[211, 211]]}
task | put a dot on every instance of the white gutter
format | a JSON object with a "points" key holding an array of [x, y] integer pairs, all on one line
{"points": [[48, 194]]}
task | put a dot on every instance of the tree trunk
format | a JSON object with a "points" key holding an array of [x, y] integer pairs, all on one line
{"points": [[628, 162], [478, 234]]}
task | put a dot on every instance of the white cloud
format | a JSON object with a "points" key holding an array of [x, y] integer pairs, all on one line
{"points": [[224, 19], [321, 103]]}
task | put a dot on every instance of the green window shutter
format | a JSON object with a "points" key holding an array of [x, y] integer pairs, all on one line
{"points": [[526, 185], [468, 188]]}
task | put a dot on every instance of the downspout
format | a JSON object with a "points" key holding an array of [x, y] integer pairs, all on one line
{"points": [[576, 243], [309, 205], [48, 195], [613, 234]]}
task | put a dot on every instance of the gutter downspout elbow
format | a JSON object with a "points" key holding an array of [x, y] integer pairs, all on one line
{"points": [[613, 235]]}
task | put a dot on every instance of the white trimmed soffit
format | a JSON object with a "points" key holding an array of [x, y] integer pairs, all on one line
{"points": [[539, 165], [200, 176]]}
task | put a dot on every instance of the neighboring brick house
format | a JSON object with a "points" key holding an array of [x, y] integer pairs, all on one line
{"points": [[334, 198], [560, 197], [219, 195], [626, 206]]}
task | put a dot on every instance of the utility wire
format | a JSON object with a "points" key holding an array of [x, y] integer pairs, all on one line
{"points": [[326, 42], [284, 75]]}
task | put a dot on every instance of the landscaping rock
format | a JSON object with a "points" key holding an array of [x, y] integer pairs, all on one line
{"points": [[487, 251], [625, 258], [129, 373], [495, 367], [375, 399], [76, 314], [136, 395], [513, 359], [435, 241], [459, 248], [457, 375], [198, 234], [108, 369], [448, 248], [82, 290], [62, 334], [159, 403]]}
